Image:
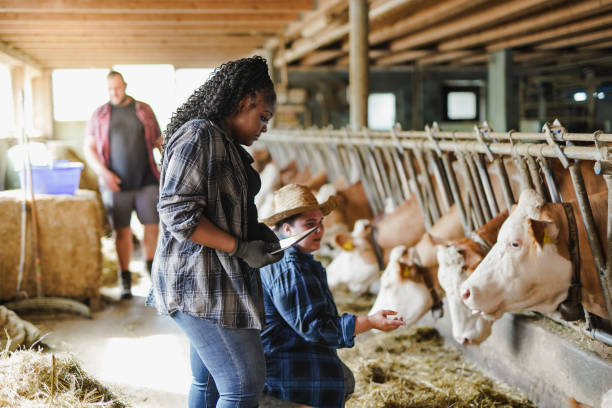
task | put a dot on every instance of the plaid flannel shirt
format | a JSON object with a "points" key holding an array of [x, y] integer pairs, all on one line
{"points": [[302, 332], [203, 175]]}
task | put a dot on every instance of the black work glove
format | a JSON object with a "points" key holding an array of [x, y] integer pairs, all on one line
{"points": [[266, 234], [257, 253]]}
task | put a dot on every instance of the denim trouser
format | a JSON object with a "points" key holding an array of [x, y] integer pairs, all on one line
{"points": [[228, 365]]}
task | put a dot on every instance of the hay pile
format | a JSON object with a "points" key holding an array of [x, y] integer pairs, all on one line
{"points": [[15, 332], [412, 368], [33, 379]]}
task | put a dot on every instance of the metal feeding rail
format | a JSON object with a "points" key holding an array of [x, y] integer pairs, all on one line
{"points": [[395, 164]]}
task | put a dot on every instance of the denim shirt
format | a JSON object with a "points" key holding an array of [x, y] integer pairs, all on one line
{"points": [[203, 175], [301, 314]]}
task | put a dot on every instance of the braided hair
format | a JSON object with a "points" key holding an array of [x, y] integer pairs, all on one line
{"points": [[219, 97]]}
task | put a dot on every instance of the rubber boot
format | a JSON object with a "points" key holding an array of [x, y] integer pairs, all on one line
{"points": [[125, 284]]}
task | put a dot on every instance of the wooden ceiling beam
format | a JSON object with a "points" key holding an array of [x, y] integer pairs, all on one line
{"points": [[159, 6], [156, 44], [295, 53], [553, 33], [561, 15], [577, 40], [17, 56], [597, 46], [319, 57], [476, 20], [473, 60], [443, 57], [37, 29], [326, 13], [421, 19], [144, 18], [403, 56]]}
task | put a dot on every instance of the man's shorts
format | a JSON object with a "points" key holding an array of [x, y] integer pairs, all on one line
{"points": [[119, 205]]}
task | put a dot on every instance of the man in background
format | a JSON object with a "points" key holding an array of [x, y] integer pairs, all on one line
{"points": [[119, 143]]}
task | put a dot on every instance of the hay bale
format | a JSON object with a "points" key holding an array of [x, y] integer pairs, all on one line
{"points": [[15, 332], [30, 379], [69, 234]]}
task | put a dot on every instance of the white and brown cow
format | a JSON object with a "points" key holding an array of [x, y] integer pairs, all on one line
{"points": [[358, 261], [409, 283], [530, 266], [457, 262]]}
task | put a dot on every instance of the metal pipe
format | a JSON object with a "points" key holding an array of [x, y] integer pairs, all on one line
{"points": [[498, 162], [486, 184], [394, 179], [553, 191], [432, 200], [445, 193], [480, 195], [592, 233], [373, 176], [356, 161], [471, 207], [605, 276], [383, 173], [452, 181], [535, 176], [600, 335], [524, 172], [416, 187], [523, 149]]}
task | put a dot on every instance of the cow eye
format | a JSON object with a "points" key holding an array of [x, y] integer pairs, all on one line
{"points": [[515, 244]]}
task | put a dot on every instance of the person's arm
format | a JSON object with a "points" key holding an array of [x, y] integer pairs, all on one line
{"points": [[96, 163], [378, 320], [302, 304], [208, 234]]}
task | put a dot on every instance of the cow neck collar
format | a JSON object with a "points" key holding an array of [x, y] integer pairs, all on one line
{"points": [[377, 249], [437, 300], [574, 295], [480, 241]]}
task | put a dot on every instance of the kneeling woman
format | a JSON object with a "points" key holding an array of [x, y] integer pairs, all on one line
{"points": [[303, 329]]}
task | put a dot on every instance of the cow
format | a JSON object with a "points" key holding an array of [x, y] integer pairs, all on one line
{"points": [[530, 266], [368, 247], [403, 289], [417, 266], [456, 262]]}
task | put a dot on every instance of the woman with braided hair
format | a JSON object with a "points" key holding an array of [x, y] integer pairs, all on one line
{"points": [[205, 271]]}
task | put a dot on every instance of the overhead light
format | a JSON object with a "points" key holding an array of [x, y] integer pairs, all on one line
{"points": [[580, 96]]}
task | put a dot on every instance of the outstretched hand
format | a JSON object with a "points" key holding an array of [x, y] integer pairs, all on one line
{"points": [[381, 321]]}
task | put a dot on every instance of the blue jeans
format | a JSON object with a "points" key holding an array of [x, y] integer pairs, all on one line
{"points": [[228, 365]]}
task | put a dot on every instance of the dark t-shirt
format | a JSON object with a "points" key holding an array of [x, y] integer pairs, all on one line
{"points": [[129, 158], [254, 182]]}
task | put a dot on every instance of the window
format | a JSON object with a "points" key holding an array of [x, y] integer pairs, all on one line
{"points": [[381, 111], [78, 92], [461, 104]]}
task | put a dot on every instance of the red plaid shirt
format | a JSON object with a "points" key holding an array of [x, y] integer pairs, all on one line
{"points": [[98, 128]]}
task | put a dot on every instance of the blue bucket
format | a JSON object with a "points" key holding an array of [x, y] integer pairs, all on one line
{"points": [[62, 177]]}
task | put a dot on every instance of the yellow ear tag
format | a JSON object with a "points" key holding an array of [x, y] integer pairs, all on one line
{"points": [[546, 238], [348, 245], [406, 271]]}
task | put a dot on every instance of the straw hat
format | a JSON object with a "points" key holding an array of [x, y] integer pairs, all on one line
{"points": [[294, 199]]}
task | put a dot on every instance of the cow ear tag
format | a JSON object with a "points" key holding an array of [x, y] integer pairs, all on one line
{"points": [[406, 271], [546, 239], [348, 245]]}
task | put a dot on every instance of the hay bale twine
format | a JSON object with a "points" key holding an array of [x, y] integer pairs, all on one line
{"points": [[69, 231]]}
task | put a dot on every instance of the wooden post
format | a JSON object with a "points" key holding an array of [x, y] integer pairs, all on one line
{"points": [[358, 63], [502, 111]]}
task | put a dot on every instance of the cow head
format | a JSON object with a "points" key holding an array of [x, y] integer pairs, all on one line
{"points": [[402, 288], [524, 270], [356, 264], [453, 270]]}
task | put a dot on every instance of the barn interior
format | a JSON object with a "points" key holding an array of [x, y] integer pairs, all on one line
{"points": [[364, 89]]}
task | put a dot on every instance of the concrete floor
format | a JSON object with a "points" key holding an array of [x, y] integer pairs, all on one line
{"points": [[128, 347]]}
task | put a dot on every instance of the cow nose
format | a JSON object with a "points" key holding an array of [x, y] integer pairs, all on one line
{"points": [[466, 294], [466, 341]]}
